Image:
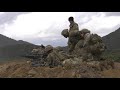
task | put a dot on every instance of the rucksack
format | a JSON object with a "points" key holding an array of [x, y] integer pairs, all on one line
{"points": [[85, 31], [96, 43], [94, 38], [65, 33]]}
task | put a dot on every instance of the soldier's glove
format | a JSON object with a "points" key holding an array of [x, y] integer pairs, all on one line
{"points": [[65, 36]]}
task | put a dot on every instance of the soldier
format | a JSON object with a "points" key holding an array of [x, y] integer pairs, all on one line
{"points": [[85, 33], [73, 39], [92, 45], [79, 50]]}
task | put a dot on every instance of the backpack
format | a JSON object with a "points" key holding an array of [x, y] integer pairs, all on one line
{"points": [[94, 38], [65, 33], [96, 43]]}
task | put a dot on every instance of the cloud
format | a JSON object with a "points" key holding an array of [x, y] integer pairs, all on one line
{"points": [[48, 41], [45, 27], [112, 13], [101, 24], [9, 17]]}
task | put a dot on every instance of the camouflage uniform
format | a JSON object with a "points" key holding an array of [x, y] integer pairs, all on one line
{"points": [[56, 57], [93, 48], [86, 39], [72, 41], [40, 55], [85, 54]]}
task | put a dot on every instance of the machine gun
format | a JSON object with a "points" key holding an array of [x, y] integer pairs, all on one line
{"points": [[35, 56], [32, 56]]}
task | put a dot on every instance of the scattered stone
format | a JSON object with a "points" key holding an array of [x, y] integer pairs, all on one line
{"points": [[32, 72]]}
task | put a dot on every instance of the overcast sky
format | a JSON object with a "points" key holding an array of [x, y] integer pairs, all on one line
{"points": [[45, 27]]}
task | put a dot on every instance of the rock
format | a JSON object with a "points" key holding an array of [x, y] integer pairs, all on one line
{"points": [[34, 50], [30, 75], [32, 72], [28, 62], [4, 68], [101, 65], [72, 61]]}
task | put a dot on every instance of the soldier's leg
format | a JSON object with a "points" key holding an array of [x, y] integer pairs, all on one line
{"points": [[69, 46]]}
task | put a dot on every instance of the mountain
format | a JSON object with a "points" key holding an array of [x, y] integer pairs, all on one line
{"points": [[13, 48], [5, 41], [112, 40]]}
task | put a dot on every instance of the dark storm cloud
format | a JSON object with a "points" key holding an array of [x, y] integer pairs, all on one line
{"points": [[9, 17]]}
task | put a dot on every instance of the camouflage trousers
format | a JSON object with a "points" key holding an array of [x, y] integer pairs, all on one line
{"points": [[72, 41]]}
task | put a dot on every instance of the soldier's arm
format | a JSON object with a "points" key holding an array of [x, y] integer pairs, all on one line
{"points": [[76, 27]]}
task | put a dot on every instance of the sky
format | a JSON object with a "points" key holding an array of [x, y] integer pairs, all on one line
{"points": [[46, 27]]}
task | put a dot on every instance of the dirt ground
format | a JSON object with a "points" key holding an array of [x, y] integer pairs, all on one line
{"points": [[112, 73], [23, 69]]}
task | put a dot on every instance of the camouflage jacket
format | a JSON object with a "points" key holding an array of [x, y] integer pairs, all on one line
{"points": [[90, 38], [73, 26]]}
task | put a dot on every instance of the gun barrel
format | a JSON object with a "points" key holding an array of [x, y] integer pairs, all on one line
{"points": [[31, 56]]}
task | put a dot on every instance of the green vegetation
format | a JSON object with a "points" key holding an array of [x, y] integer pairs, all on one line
{"points": [[112, 55]]}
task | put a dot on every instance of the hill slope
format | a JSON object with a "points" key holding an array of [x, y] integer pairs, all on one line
{"points": [[112, 40], [13, 48]]}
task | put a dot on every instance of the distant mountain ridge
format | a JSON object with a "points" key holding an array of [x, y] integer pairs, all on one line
{"points": [[112, 40], [13, 48], [6, 41]]}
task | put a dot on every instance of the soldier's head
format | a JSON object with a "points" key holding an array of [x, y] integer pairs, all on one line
{"points": [[84, 31], [81, 34], [71, 19], [42, 46]]}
